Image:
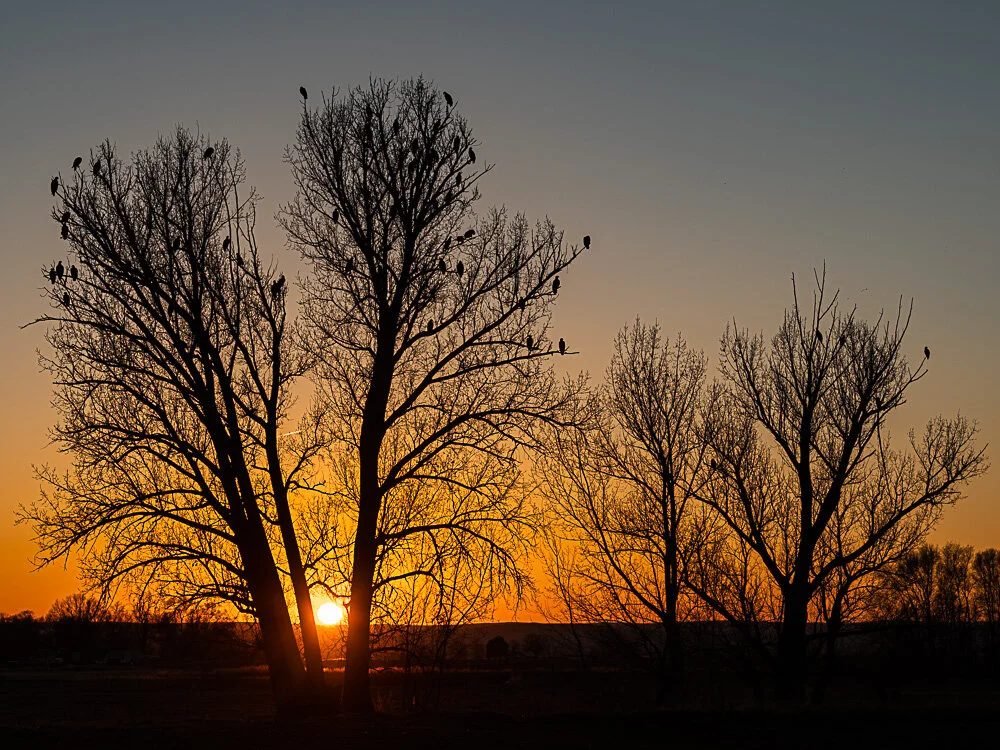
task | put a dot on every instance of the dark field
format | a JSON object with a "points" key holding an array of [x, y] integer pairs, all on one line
{"points": [[232, 708]]}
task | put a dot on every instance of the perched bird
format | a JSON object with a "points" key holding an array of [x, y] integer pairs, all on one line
{"points": [[843, 340], [177, 243], [54, 185], [430, 325], [208, 153], [555, 285], [239, 259], [460, 269], [66, 299], [447, 243], [64, 232], [713, 465], [447, 98], [530, 342], [472, 156], [927, 353], [349, 267], [96, 166], [819, 336], [458, 180], [77, 162], [521, 305], [52, 275], [305, 94], [226, 243], [60, 271], [65, 217], [457, 144], [73, 273], [586, 241], [443, 265], [277, 285], [470, 233], [336, 216], [562, 346]]}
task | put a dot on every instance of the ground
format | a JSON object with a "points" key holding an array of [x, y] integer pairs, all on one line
{"points": [[232, 708]]}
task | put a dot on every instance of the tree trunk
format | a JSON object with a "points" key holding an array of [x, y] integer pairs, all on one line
{"points": [[357, 692], [280, 647], [791, 663], [303, 600]]}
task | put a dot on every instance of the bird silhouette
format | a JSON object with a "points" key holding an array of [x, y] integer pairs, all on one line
{"points": [[430, 325], [77, 162], [177, 243], [305, 94], [472, 156], [521, 305], [96, 166], [54, 185], [460, 268], [60, 271], [226, 243], [470, 233], [52, 275], [586, 241], [713, 465], [447, 98], [530, 342], [927, 353], [842, 340], [447, 243], [457, 144], [208, 153], [443, 265], [819, 336], [65, 217], [277, 285], [64, 232], [73, 273], [555, 285], [65, 299], [349, 267], [336, 216], [562, 346]]}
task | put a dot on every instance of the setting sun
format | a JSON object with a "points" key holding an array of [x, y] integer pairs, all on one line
{"points": [[330, 613]]}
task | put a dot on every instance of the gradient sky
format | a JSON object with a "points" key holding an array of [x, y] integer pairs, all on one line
{"points": [[710, 149]]}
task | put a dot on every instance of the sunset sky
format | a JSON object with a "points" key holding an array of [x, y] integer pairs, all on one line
{"points": [[710, 149]]}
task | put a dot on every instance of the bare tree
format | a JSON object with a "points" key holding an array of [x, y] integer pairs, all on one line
{"points": [[986, 576], [430, 323], [172, 359], [805, 477], [621, 492]]}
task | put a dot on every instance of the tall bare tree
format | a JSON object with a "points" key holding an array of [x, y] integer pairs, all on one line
{"points": [[430, 323], [172, 359], [805, 476], [622, 489]]}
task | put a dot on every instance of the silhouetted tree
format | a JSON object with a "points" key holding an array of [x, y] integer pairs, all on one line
{"points": [[497, 648], [172, 360], [986, 578], [621, 492], [423, 367], [805, 476]]}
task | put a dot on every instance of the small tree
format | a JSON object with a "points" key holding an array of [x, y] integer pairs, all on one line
{"points": [[804, 473], [430, 323], [622, 489]]}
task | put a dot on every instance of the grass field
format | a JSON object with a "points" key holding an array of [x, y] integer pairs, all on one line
{"points": [[232, 708]]}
